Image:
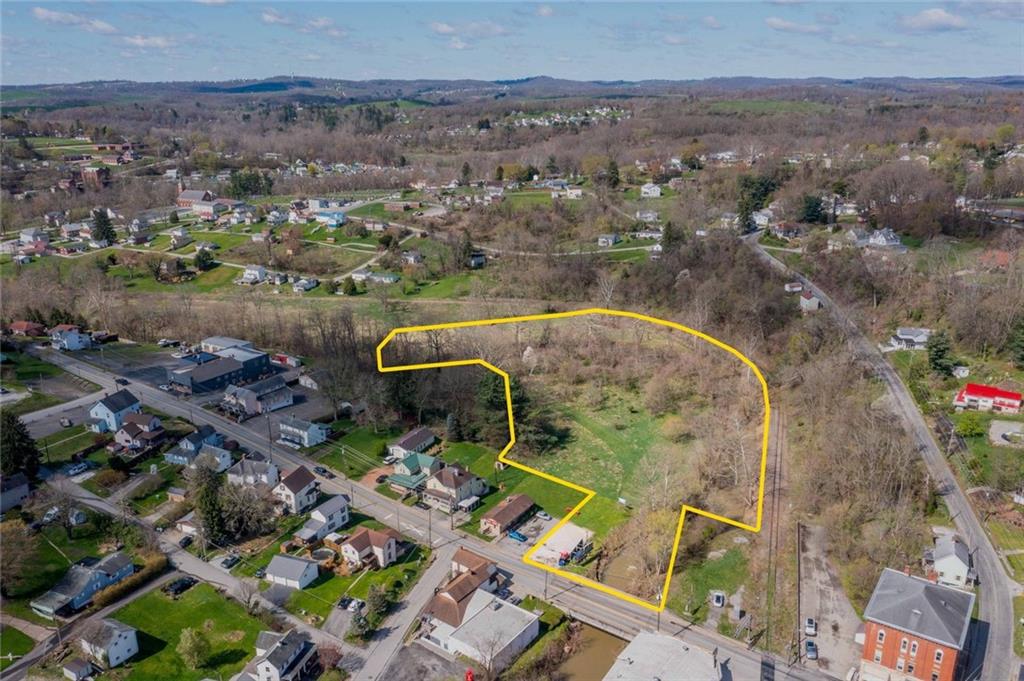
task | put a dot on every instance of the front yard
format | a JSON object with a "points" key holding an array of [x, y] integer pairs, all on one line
{"points": [[13, 642]]}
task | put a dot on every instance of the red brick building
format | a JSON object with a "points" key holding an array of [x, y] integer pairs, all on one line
{"points": [[915, 629]]}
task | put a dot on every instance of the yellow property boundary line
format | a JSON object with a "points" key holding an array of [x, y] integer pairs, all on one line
{"points": [[589, 493]]}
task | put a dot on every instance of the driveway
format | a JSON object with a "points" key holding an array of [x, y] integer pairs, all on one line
{"points": [[415, 662], [822, 597]]}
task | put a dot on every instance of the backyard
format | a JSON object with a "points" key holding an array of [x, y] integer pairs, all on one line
{"points": [[13, 642]]}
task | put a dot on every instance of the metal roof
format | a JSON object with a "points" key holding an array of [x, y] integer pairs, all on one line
{"points": [[921, 607]]}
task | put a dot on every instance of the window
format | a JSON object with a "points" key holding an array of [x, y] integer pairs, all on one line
{"points": [[903, 646], [878, 655], [881, 635], [910, 668], [935, 676], [899, 665], [938, 656], [913, 648]]}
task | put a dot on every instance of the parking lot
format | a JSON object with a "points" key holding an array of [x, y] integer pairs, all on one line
{"points": [[822, 597], [533, 529]]}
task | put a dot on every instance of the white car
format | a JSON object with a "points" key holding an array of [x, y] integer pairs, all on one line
{"points": [[543, 515], [810, 627], [166, 388], [78, 468], [51, 515]]}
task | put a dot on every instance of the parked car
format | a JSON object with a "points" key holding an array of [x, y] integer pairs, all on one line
{"points": [[65, 422], [231, 561], [718, 599], [180, 586], [261, 573], [166, 388], [321, 471], [168, 343], [810, 627], [185, 542], [345, 602], [381, 479], [517, 536], [51, 515], [421, 505], [121, 380], [812, 650], [356, 605], [543, 515], [78, 469]]}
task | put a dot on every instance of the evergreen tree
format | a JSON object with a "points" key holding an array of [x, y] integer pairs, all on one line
{"points": [[453, 428], [18, 451], [940, 351], [499, 173], [204, 260], [672, 238], [348, 287], [206, 485], [612, 173], [466, 172], [811, 209], [464, 250], [377, 601], [174, 219], [103, 229]]}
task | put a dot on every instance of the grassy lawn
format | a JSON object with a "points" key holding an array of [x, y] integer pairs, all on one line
{"points": [[322, 595], [224, 240], [206, 282], [1006, 536], [375, 211], [369, 451], [13, 642], [160, 620], [528, 199], [62, 445], [690, 589], [33, 402], [286, 527], [1017, 563], [22, 371], [1018, 631], [54, 554]]}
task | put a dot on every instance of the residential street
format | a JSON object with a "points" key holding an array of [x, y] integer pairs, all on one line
{"points": [[601, 610], [991, 645]]}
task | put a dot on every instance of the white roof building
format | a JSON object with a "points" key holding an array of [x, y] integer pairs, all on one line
{"points": [[650, 657]]}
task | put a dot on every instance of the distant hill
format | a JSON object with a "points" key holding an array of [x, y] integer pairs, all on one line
{"points": [[325, 90]]}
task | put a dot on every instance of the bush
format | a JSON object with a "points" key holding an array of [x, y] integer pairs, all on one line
{"points": [[155, 564], [149, 485], [109, 478]]}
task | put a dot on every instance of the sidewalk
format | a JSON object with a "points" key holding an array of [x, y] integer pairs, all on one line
{"points": [[37, 632]]}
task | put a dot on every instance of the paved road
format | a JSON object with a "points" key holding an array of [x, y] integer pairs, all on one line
{"points": [[47, 421], [992, 657], [601, 610]]}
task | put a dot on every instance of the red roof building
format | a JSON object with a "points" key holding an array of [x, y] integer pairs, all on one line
{"points": [[987, 398], [24, 328]]}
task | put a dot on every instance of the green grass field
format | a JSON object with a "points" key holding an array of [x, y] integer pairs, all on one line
{"points": [[375, 211], [689, 593], [369, 448], [528, 199], [206, 282], [13, 642], [60, 446], [765, 106], [1018, 632], [160, 620], [1006, 536]]}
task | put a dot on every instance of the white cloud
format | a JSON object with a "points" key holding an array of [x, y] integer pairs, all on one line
{"points": [[545, 11], [711, 22], [158, 42], [827, 18], [673, 39], [68, 19], [791, 26], [995, 9], [934, 19], [457, 43], [272, 16], [483, 29], [441, 28], [320, 23]]}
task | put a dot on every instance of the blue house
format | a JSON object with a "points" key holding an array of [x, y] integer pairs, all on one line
{"points": [[108, 414], [80, 583], [189, 447], [332, 219]]}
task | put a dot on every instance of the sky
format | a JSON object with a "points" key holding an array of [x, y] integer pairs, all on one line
{"points": [[66, 42]]}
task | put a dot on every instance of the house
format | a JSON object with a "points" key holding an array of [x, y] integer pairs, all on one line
{"points": [[762, 218], [219, 343], [465, 618], [304, 284], [76, 589], [250, 472], [25, 328], [608, 240], [648, 655], [208, 210], [884, 238], [109, 642], [261, 397], [189, 447], [411, 472], [949, 562], [987, 398], [650, 191], [139, 431], [419, 439], [216, 458], [412, 257], [302, 433], [914, 628], [13, 491], [787, 230], [851, 238], [33, 235], [180, 238], [476, 260], [793, 287], [506, 515], [367, 546], [108, 415], [188, 197], [647, 216], [253, 274], [188, 524], [454, 488], [324, 519], [809, 302], [910, 338], [177, 495], [297, 490], [68, 337], [291, 656]]}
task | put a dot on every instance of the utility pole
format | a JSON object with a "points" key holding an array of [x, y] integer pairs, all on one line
{"points": [[546, 573], [270, 442], [430, 542]]}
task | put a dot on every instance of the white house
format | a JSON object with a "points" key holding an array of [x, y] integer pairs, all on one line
{"points": [[298, 490], [108, 414], [417, 440], [910, 338], [650, 191], [324, 519], [109, 642], [254, 274], [376, 546], [248, 472], [608, 240], [297, 573], [301, 433], [69, 337], [453, 488], [951, 562], [291, 656], [809, 302], [884, 238]]}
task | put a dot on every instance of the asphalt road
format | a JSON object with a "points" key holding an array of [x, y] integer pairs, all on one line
{"points": [[991, 644], [598, 609]]}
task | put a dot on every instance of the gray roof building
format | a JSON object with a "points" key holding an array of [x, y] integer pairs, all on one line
{"points": [[928, 610], [119, 401]]}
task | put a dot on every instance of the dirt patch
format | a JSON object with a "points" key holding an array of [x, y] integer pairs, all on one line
{"points": [[234, 636], [370, 479]]}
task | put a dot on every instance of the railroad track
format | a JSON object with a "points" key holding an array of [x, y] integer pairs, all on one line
{"points": [[775, 478]]}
